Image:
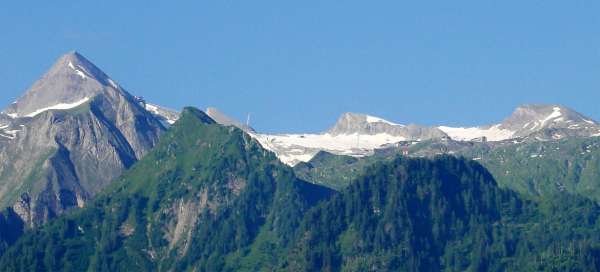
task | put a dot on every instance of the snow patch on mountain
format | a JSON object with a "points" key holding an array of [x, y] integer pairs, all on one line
{"points": [[373, 119], [9, 134], [77, 71], [493, 133], [555, 114], [61, 106], [166, 116]]}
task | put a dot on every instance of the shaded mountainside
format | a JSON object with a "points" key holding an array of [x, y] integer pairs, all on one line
{"points": [[207, 197]]}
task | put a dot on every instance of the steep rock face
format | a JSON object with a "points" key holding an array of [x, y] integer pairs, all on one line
{"points": [[68, 137], [5, 120], [549, 121], [71, 79]]}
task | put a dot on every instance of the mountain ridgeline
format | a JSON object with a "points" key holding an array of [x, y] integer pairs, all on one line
{"points": [[210, 198]]}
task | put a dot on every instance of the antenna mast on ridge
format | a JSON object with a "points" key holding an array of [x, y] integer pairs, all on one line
{"points": [[248, 120]]}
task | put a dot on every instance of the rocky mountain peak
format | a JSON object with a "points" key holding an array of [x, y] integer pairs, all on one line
{"points": [[75, 63], [72, 80], [356, 123], [351, 123], [529, 118]]}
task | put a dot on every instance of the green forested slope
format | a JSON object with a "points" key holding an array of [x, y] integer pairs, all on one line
{"points": [[444, 214]]}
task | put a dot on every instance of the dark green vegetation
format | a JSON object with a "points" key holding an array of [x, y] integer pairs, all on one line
{"points": [[209, 198], [444, 214]]}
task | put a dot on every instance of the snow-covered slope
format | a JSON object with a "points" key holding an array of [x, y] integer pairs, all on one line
{"points": [[491, 133]]}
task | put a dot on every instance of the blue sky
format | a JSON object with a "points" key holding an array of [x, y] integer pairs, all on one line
{"points": [[297, 65]]}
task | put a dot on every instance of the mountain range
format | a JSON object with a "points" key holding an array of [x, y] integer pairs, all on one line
{"points": [[360, 134], [127, 183], [76, 121]]}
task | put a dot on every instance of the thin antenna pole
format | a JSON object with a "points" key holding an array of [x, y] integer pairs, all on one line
{"points": [[248, 120]]}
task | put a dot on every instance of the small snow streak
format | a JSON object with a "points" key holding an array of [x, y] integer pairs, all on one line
{"points": [[61, 106], [373, 119]]}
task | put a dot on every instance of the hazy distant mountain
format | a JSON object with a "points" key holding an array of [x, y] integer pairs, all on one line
{"points": [[223, 119], [68, 137], [353, 123]]}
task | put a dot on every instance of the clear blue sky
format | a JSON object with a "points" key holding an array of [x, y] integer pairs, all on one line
{"points": [[297, 65]]}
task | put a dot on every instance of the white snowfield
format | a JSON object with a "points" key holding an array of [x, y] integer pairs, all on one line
{"points": [[373, 119], [493, 133], [294, 148], [61, 106]]}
